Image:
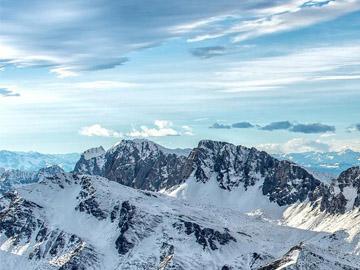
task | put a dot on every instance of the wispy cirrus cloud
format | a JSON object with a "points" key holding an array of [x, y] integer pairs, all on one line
{"points": [[281, 17], [96, 35], [311, 65]]}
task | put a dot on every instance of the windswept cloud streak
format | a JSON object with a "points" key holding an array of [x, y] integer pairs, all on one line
{"points": [[98, 35], [312, 65], [282, 17]]}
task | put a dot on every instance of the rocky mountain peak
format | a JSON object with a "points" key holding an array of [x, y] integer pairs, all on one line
{"points": [[92, 161], [143, 164], [349, 177], [93, 153]]}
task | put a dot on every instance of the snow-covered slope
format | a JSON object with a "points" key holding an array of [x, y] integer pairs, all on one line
{"points": [[69, 221], [34, 161]]}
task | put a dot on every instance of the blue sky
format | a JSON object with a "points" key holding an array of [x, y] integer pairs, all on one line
{"points": [[279, 75]]}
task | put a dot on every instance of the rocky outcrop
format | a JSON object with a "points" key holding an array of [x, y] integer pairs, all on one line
{"points": [[92, 162], [206, 237], [143, 165], [22, 223], [233, 166]]}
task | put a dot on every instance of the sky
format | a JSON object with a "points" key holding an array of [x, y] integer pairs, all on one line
{"points": [[282, 76]]}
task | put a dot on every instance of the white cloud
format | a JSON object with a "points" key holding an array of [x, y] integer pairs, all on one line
{"points": [[162, 128], [308, 65], [277, 18], [297, 145], [99, 131], [187, 130]]}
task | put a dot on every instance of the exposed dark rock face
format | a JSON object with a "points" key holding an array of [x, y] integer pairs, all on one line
{"points": [[143, 165], [234, 166], [92, 162], [166, 256], [140, 164], [22, 222], [146, 165], [332, 197], [18, 221], [206, 237], [350, 177], [82, 259], [91, 206], [127, 212]]}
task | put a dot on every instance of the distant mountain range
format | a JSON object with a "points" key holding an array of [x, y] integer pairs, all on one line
{"points": [[139, 205], [329, 162], [34, 161]]}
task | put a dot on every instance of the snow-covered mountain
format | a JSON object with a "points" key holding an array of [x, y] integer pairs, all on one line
{"points": [[331, 163], [221, 206], [140, 164], [34, 161], [215, 173], [70, 221], [10, 178]]}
